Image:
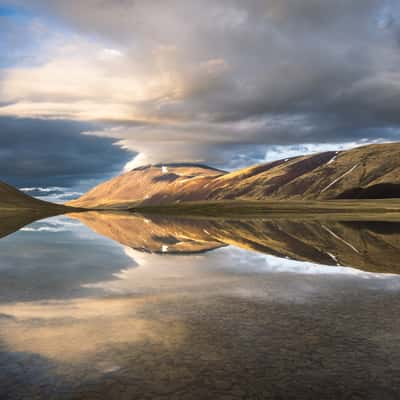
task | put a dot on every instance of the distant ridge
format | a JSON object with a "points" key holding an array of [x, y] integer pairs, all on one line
{"points": [[370, 172]]}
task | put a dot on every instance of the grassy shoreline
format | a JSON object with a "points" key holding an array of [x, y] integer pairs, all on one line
{"points": [[291, 209], [48, 209]]}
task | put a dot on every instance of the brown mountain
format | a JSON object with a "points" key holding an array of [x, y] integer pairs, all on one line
{"points": [[328, 242], [365, 172]]}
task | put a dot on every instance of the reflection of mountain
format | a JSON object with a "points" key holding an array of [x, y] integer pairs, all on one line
{"points": [[18, 209], [143, 234], [370, 246], [369, 172], [11, 222]]}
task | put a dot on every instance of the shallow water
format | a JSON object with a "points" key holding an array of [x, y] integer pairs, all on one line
{"points": [[118, 306]]}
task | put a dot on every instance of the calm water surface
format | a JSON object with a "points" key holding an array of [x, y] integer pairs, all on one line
{"points": [[117, 306]]}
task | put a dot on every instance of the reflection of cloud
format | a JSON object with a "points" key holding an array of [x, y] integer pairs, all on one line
{"points": [[43, 229], [54, 224], [91, 331], [275, 264], [168, 273], [247, 262], [226, 270], [82, 330]]}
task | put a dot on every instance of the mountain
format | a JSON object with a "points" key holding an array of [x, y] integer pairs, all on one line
{"points": [[150, 184], [18, 209], [371, 171], [12, 198], [328, 242]]}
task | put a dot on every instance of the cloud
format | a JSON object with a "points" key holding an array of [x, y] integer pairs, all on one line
{"points": [[52, 194], [239, 78], [50, 152], [233, 145]]}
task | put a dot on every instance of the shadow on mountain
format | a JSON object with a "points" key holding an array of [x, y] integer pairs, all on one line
{"points": [[369, 246], [380, 191]]}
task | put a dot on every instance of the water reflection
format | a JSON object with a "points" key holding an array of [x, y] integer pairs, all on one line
{"points": [[10, 222], [372, 246], [126, 307]]}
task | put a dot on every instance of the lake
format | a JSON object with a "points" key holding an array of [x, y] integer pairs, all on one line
{"points": [[122, 306]]}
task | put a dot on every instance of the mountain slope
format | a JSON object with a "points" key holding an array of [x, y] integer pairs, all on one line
{"points": [[148, 183], [365, 172], [11, 199], [18, 209]]}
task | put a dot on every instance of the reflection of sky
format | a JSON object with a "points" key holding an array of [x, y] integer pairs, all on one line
{"points": [[230, 271], [53, 258], [60, 258], [75, 305]]}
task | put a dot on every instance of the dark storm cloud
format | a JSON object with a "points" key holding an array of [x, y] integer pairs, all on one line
{"points": [[54, 153], [222, 80]]}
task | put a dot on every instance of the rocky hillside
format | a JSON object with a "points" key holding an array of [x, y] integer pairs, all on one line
{"points": [[365, 172]]}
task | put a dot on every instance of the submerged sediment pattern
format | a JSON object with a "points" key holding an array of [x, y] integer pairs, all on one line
{"points": [[235, 348]]}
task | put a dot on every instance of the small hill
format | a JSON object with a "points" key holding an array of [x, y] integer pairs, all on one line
{"points": [[13, 199], [368, 172], [18, 209]]}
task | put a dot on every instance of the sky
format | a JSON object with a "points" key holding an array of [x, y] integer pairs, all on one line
{"points": [[92, 88]]}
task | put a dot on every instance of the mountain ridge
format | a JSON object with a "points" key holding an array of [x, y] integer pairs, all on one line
{"points": [[177, 164], [371, 171]]}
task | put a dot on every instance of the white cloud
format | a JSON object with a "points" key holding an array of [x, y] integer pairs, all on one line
{"points": [[107, 54]]}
